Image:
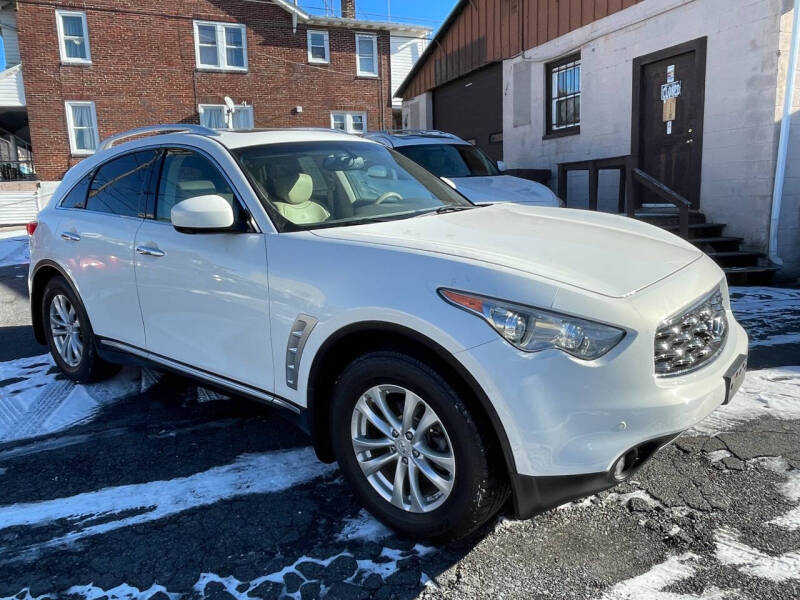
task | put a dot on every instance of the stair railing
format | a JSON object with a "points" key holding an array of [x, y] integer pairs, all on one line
{"points": [[630, 177], [665, 193]]}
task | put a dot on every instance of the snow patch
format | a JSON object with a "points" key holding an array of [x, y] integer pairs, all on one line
{"points": [[39, 401], [142, 503], [365, 527], [120, 592], [768, 392], [751, 561], [768, 314], [718, 455], [649, 585], [14, 248]]}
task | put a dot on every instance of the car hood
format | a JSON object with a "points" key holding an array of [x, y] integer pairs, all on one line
{"points": [[504, 188], [610, 255]]}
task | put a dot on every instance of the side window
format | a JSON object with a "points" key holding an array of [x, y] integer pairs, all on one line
{"points": [[119, 187], [76, 197], [186, 174]]}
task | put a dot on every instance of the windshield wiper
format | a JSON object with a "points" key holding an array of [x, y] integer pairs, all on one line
{"points": [[447, 209]]}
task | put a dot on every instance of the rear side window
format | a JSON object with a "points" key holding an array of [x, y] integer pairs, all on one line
{"points": [[76, 198], [120, 186], [186, 174]]}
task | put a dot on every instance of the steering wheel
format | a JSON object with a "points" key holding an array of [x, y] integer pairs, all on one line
{"points": [[385, 196]]}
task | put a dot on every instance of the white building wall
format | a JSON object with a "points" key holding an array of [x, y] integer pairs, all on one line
{"points": [[405, 52], [740, 128], [418, 112]]}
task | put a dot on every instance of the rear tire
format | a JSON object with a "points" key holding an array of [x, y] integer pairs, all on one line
{"points": [[69, 334], [451, 481]]}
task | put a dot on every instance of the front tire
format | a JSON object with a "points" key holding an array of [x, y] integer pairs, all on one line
{"points": [[69, 334], [411, 450]]}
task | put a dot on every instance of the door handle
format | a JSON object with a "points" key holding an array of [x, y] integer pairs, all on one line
{"points": [[70, 237], [147, 251]]}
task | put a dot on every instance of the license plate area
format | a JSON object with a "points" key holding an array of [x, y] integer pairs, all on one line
{"points": [[734, 377]]}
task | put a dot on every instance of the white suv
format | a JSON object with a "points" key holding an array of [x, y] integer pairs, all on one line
{"points": [[445, 354], [465, 167]]}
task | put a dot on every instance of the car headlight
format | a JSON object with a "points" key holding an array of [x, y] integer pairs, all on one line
{"points": [[533, 329]]}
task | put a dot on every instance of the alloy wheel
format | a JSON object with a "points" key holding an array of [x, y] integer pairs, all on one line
{"points": [[66, 330], [403, 448]]}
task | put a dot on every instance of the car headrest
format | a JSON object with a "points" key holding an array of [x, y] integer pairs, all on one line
{"points": [[195, 187], [294, 189]]}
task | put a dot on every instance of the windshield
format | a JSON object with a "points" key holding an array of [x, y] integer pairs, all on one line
{"points": [[451, 160], [306, 185]]}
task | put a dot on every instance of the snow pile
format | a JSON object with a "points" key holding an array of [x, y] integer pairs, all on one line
{"points": [[769, 392], [36, 400], [14, 248]]}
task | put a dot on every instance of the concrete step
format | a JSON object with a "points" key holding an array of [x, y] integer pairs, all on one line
{"points": [[757, 275], [717, 243], [738, 258], [700, 229]]}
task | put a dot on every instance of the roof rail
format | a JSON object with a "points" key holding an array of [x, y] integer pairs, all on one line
{"points": [[156, 129], [420, 132]]}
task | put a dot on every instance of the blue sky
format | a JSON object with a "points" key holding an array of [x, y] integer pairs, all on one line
{"points": [[422, 12]]}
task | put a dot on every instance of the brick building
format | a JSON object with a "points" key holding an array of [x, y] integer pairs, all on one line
{"points": [[92, 68]]}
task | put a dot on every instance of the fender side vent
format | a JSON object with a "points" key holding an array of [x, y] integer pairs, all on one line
{"points": [[301, 328]]}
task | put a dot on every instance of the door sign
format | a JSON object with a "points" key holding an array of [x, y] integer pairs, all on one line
{"points": [[670, 90]]}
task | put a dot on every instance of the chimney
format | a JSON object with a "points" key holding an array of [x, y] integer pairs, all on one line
{"points": [[349, 9]]}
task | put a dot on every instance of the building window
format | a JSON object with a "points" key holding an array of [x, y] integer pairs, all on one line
{"points": [[564, 93], [220, 46], [82, 127], [319, 50], [219, 116], [351, 122], [366, 55], [73, 37]]}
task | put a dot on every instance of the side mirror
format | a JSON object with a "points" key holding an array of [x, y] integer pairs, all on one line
{"points": [[202, 214], [501, 166]]}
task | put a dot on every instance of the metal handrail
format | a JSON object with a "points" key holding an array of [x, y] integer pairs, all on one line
{"points": [[157, 129], [667, 194]]}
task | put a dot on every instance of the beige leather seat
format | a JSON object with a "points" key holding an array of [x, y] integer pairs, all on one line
{"points": [[294, 194]]}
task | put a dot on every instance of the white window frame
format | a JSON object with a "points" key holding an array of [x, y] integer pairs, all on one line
{"points": [[228, 118], [71, 127], [348, 120], [222, 54], [62, 46], [374, 40], [326, 43]]}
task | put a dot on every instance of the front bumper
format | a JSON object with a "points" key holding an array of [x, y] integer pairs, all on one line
{"points": [[568, 422]]}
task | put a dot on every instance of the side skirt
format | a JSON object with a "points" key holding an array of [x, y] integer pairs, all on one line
{"points": [[122, 353]]}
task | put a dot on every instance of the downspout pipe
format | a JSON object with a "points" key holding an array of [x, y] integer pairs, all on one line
{"points": [[783, 142]]}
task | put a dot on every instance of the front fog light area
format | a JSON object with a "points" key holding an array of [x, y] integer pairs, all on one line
{"points": [[532, 329]]}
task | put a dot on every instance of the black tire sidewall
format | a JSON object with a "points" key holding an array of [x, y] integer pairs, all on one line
{"points": [[83, 371], [394, 368]]}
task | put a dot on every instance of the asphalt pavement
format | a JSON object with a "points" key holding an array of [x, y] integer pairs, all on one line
{"points": [[147, 486]]}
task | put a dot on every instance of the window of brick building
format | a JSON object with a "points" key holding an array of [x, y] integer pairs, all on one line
{"points": [[319, 50], [82, 127], [73, 37], [217, 116], [351, 122], [366, 55], [220, 46], [564, 94]]}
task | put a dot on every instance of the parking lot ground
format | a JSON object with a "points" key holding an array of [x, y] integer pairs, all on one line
{"points": [[147, 486]]}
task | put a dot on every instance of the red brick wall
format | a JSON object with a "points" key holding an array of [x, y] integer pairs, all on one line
{"points": [[143, 71]]}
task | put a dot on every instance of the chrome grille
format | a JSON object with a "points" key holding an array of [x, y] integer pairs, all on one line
{"points": [[691, 338]]}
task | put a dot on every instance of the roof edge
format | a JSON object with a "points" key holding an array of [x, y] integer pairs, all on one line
{"points": [[433, 43]]}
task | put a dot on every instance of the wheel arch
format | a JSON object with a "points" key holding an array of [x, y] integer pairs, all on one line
{"points": [[351, 341], [44, 271]]}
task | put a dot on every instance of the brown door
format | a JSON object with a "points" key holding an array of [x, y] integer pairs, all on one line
{"points": [[667, 120]]}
